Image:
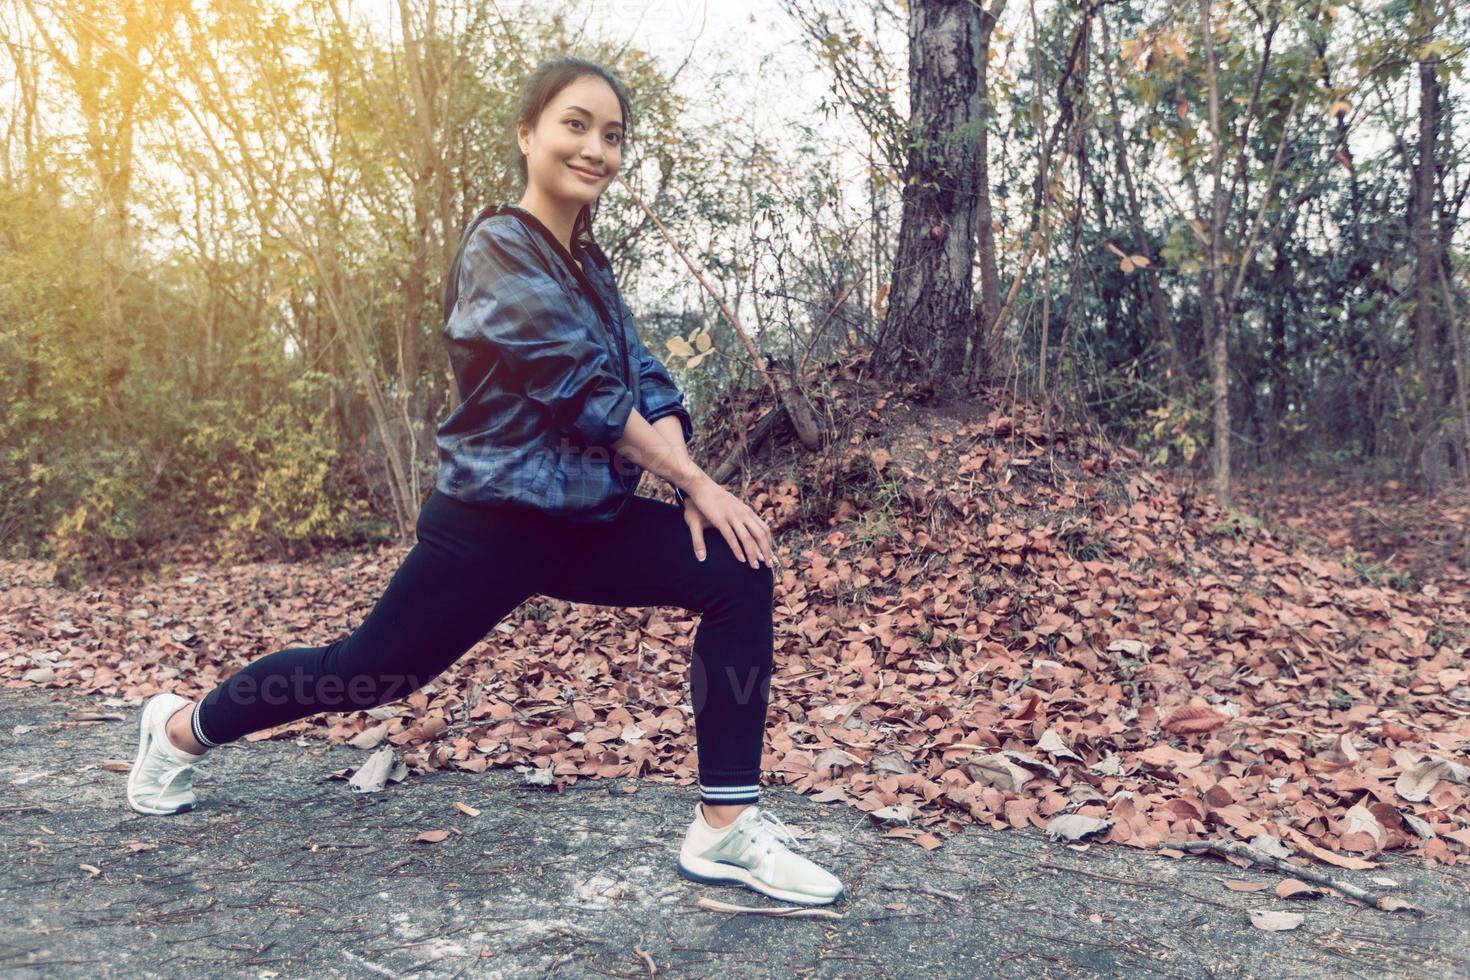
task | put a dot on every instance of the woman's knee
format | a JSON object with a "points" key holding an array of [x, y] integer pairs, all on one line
{"points": [[741, 590], [731, 575], [759, 586]]}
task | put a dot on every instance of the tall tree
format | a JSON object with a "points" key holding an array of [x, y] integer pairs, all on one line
{"points": [[931, 318], [1212, 296], [989, 306], [1431, 339]]}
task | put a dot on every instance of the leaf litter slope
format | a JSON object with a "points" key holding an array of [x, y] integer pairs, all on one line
{"points": [[983, 618]]}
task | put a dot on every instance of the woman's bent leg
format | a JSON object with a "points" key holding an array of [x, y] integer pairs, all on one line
{"points": [[645, 558], [469, 568]]}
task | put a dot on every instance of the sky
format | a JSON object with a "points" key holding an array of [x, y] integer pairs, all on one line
{"points": [[754, 38], [753, 44]]}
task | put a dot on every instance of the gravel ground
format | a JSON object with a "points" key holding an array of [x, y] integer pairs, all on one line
{"points": [[284, 871]]}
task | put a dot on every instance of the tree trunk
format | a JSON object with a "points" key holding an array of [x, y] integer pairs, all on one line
{"points": [[930, 316], [984, 219], [1280, 365], [1429, 348], [1212, 306]]}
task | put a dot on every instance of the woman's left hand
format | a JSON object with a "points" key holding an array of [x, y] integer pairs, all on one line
{"points": [[697, 524], [711, 505]]}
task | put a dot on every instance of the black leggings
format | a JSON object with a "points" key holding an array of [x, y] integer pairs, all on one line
{"points": [[475, 563]]}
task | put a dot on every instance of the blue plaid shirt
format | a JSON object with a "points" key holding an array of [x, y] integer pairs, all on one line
{"points": [[549, 367]]}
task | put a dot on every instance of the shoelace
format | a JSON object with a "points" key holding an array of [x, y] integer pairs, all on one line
{"points": [[770, 825]]}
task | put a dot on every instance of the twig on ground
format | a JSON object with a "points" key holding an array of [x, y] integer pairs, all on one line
{"points": [[1387, 903], [785, 912], [927, 890]]}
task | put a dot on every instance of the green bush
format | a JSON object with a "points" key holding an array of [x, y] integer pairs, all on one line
{"points": [[269, 480]]}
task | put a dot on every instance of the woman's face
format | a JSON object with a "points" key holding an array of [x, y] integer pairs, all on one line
{"points": [[577, 145]]}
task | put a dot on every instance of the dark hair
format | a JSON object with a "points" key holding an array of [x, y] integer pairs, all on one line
{"points": [[543, 84]]}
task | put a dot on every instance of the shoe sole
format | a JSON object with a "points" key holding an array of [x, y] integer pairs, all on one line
{"points": [[144, 740], [731, 874]]}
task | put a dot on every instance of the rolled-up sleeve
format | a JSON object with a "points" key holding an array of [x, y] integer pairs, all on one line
{"points": [[543, 347], [657, 394]]}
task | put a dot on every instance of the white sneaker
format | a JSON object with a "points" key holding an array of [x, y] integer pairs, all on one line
{"points": [[163, 774], [754, 851]]}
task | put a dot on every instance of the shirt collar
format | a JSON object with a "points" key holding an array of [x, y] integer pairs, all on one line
{"points": [[591, 256]]}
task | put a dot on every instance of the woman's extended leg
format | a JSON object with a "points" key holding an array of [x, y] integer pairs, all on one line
{"points": [[469, 568], [644, 558]]}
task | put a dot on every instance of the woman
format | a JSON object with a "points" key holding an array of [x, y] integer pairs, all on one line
{"points": [[562, 409]]}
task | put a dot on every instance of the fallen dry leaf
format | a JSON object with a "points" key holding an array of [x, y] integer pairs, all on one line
{"points": [[1246, 886], [1273, 921], [1267, 844], [380, 768], [1051, 743], [1331, 857], [1392, 903], [998, 771], [1074, 826], [892, 815], [368, 738], [1193, 719], [1415, 782], [1292, 888], [1361, 830]]}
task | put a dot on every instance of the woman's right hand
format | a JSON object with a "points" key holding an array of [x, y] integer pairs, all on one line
{"points": [[747, 535]]}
